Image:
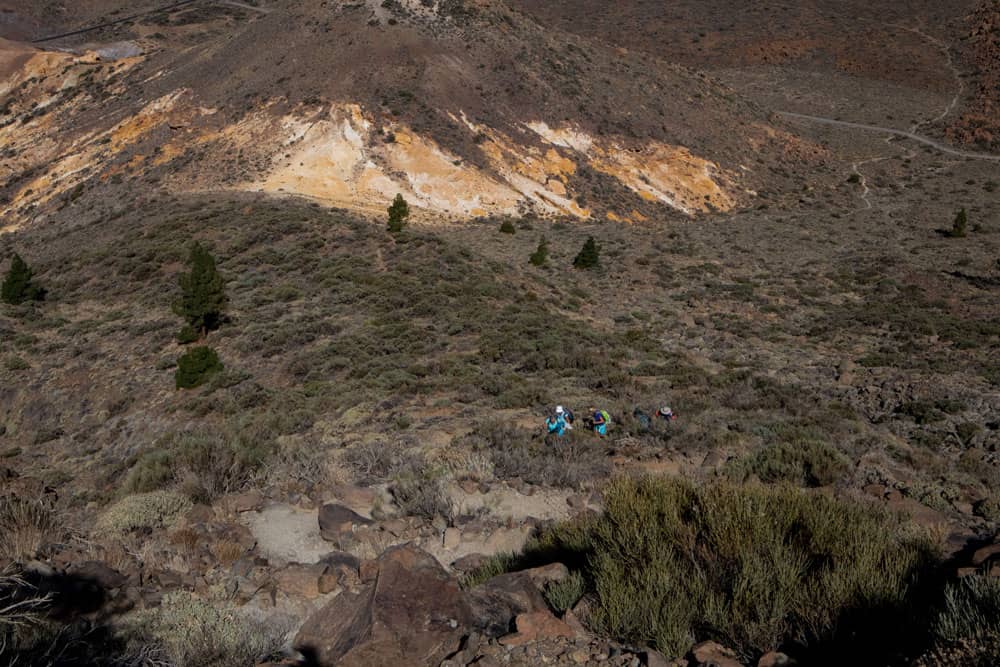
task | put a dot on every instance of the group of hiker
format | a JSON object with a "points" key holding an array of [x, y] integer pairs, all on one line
{"points": [[561, 420]]}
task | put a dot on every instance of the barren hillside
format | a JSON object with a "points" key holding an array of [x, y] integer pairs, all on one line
{"points": [[292, 289]]}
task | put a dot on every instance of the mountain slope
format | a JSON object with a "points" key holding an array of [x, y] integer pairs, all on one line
{"points": [[467, 108]]}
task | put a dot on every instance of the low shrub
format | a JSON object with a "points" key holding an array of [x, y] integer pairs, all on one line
{"points": [[754, 567], [567, 462], [26, 527], [497, 564], [143, 510], [191, 632], [375, 462], [154, 470], [196, 366], [803, 462], [420, 492], [971, 610], [563, 595]]}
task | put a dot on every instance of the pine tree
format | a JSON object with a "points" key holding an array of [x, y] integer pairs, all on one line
{"points": [[958, 228], [203, 293], [589, 256], [17, 286], [398, 213], [541, 254]]}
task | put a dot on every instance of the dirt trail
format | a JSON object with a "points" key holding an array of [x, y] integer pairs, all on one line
{"points": [[888, 130]]}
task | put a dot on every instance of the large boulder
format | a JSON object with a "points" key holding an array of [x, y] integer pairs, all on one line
{"points": [[337, 521], [412, 613]]}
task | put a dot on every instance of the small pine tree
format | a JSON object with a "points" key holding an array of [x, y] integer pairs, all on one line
{"points": [[398, 213], [540, 255], [959, 227], [203, 292], [17, 286], [507, 227], [589, 256], [196, 366]]}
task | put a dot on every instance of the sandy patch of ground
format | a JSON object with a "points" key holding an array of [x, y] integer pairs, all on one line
{"points": [[286, 534]]}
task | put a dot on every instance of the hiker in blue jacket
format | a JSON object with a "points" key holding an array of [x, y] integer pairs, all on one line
{"points": [[559, 422], [601, 420]]}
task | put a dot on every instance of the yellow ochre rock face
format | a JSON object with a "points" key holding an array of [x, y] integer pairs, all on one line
{"points": [[338, 154], [341, 158]]}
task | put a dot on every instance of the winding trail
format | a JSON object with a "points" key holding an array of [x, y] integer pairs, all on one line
{"points": [[927, 141], [910, 134]]}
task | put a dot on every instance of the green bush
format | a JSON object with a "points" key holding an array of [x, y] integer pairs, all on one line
{"points": [[563, 595], [801, 462], [196, 366], [754, 567], [507, 227], [589, 256]]}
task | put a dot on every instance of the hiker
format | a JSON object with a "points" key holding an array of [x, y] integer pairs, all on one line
{"points": [[666, 415], [557, 423], [601, 420], [645, 422], [567, 415]]}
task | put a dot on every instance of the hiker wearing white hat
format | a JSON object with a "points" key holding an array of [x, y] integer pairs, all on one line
{"points": [[560, 421]]}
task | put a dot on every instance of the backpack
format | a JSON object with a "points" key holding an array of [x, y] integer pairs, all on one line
{"points": [[607, 417], [569, 416]]}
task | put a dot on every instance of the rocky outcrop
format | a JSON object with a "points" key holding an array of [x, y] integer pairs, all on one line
{"points": [[412, 613]]}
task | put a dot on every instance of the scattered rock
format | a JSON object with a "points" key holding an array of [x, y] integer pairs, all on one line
{"points": [[984, 554], [251, 501], [469, 563], [570, 619], [547, 573], [452, 538], [713, 654], [775, 659], [336, 521], [300, 580], [536, 625], [655, 659], [368, 571], [200, 514], [497, 601], [357, 498]]}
